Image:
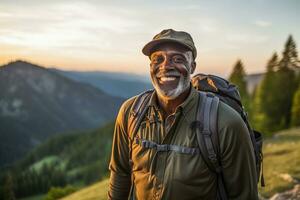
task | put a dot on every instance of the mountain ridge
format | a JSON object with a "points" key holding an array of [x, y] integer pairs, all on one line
{"points": [[36, 102], [116, 84]]}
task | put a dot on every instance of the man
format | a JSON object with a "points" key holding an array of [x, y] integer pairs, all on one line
{"points": [[149, 173]]}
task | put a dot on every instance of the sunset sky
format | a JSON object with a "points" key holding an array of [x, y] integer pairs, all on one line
{"points": [[109, 35]]}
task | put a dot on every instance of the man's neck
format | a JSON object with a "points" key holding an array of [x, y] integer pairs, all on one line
{"points": [[169, 105]]}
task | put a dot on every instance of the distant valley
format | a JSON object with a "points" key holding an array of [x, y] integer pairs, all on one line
{"points": [[117, 84]]}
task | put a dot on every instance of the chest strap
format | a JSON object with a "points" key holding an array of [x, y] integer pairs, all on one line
{"points": [[166, 147]]}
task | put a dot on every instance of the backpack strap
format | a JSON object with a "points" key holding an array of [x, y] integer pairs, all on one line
{"points": [[138, 110], [207, 136]]}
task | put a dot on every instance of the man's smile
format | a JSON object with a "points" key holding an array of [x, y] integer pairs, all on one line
{"points": [[168, 79], [171, 78]]}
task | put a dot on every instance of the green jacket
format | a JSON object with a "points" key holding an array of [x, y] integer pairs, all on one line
{"points": [[171, 175]]}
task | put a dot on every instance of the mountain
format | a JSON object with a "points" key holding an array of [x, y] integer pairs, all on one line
{"points": [[117, 84], [36, 103], [253, 80]]}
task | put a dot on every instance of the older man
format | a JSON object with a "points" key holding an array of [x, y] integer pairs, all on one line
{"points": [[159, 159]]}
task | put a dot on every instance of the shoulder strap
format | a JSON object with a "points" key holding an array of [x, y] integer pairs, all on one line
{"points": [[137, 112], [136, 115], [207, 117], [207, 136]]}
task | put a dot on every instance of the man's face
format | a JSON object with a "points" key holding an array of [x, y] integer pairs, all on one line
{"points": [[170, 69]]}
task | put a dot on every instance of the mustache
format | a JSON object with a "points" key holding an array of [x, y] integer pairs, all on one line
{"points": [[167, 73]]}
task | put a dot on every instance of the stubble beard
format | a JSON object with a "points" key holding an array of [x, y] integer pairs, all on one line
{"points": [[183, 85]]}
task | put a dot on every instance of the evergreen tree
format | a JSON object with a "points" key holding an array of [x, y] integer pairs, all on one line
{"points": [[286, 83], [296, 108], [237, 77], [289, 55], [264, 109], [9, 188], [284, 88], [275, 94]]}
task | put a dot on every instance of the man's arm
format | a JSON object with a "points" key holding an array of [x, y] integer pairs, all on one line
{"points": [[238, 160], [120, 172]]}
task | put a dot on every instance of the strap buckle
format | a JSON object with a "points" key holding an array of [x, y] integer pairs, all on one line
{"points": [[162, 147], [206, 133], [145, 144], [213, 157]]}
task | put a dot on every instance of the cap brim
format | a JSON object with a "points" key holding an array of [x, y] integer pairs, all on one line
{"points": [[150, 45]]}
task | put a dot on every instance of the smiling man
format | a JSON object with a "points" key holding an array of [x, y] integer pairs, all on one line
{"points": [[155, 153]]}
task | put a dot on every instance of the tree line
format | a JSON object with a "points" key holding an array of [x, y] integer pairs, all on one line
{"points": [[275, 103]]}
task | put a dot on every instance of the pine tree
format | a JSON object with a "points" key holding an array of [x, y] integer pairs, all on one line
{"points": [[295, 121], [275, 94], [237, 77], [9, 188], [264, 109], [286, 87], [286, 82], [289, 55]]}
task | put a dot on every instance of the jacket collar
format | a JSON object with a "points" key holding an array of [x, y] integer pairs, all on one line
{"points": [[186, 105]]}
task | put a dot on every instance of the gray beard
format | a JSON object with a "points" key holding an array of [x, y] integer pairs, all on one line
{"points": [[183, 85]]}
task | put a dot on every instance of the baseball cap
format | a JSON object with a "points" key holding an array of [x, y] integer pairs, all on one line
{"points": [[170, 35]]}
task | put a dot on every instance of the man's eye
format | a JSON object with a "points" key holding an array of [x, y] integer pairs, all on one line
{"points": [[178, 59], [156, 60]]}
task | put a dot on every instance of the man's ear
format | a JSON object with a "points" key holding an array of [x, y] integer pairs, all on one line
{"points": [[193, 67]]}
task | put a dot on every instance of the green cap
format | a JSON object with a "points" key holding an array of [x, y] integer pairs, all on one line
{"points": [[170, 35]]}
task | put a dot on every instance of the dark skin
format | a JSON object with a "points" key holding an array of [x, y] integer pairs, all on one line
{"points": [[175, 59]]}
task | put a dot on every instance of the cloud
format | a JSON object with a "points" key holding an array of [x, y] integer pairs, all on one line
{"points": [[205, 25], [240, 38], [66, 26], [262, 23]]}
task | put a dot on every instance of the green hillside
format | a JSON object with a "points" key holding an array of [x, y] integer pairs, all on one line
{"points": [[77, 159], [281, 162], [97, 191]]}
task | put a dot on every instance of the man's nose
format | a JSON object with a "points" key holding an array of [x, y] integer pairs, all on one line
{"points": [[167, 64]]}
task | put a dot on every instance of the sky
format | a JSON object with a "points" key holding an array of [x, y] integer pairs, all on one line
{"points": [[109, 35]]}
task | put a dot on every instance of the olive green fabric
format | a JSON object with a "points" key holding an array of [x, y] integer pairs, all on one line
{"points": [[170, 35], [171, 175]]}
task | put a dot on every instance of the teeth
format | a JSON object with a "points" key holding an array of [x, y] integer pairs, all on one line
{"points": [[167, 78]]}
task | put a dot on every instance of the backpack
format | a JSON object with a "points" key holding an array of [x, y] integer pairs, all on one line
{"points": [[212, 89]]}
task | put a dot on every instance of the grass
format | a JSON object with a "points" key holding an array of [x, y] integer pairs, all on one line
{"points": [[96, 191], [281, 158]]}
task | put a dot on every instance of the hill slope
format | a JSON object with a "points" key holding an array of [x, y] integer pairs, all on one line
{"points": [[281, 162], [76, 158], [36, 103], [97, 191]]}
